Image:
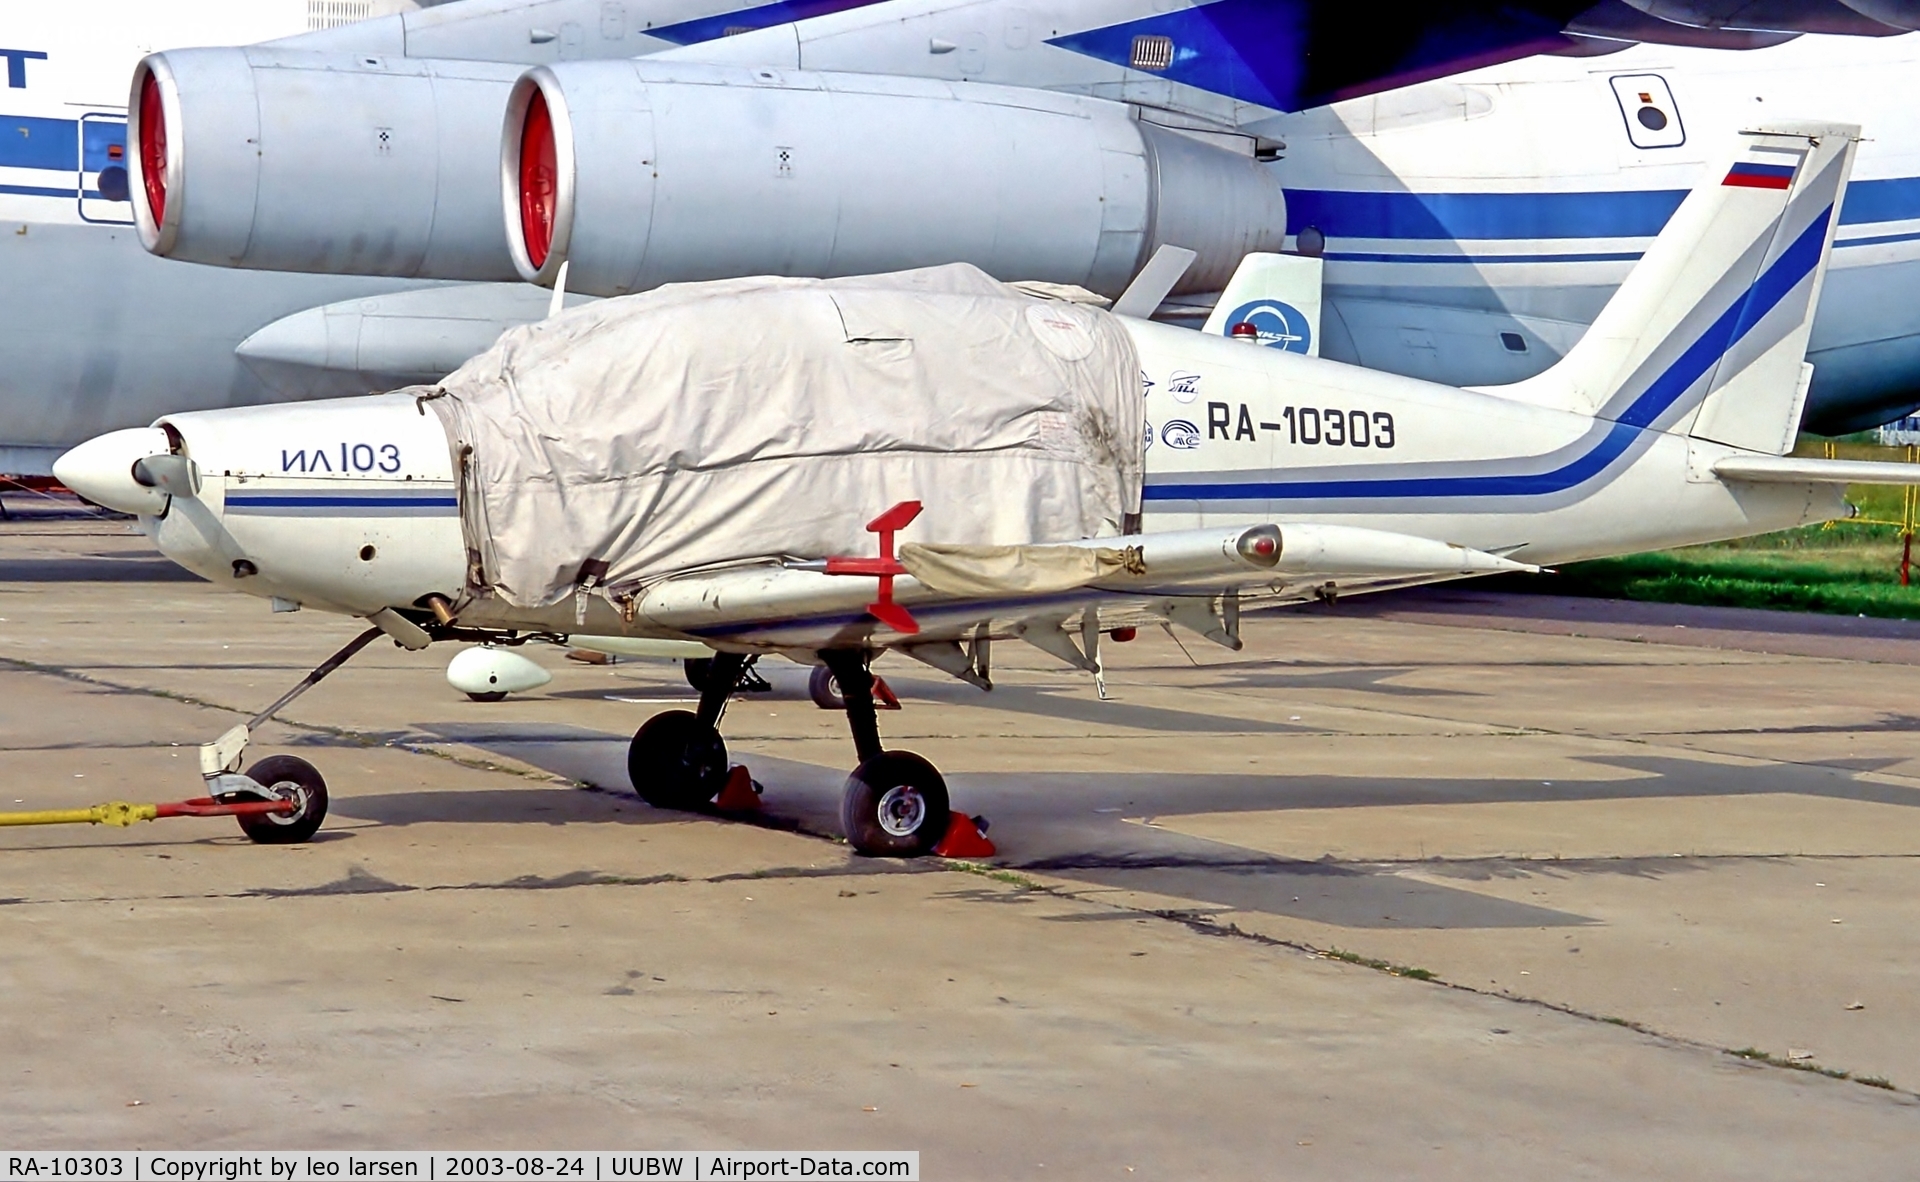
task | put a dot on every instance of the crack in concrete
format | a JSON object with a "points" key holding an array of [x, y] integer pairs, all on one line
{"points": [[1199, 922], [360, 881]]}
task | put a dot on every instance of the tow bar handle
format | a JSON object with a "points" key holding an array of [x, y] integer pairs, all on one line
{"points": [[121, 814]]}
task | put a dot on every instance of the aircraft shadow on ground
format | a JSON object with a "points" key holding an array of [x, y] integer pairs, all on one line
{"points": [[95, 569], [1082, 826], [1371, 680], [1068, 703], [1078, 704]]}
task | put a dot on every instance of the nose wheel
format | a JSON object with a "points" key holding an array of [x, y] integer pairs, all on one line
{"points": [[288, 778]]}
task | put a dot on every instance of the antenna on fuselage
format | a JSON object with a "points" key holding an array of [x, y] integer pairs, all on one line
{"points": [[1153, 284], [560, 289]]}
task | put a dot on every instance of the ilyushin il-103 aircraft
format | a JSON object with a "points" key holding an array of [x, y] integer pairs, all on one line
{"points": [[1477, 176], [1034, 468]]}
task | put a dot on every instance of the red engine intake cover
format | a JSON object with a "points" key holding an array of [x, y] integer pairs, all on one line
{"points": [[538, 172]]}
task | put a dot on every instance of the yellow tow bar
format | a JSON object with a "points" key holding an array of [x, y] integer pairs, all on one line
{"points": [[121, 814], [114, 812]]}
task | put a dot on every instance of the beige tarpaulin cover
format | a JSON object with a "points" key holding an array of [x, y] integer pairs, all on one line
{"points": [[1024, 570], [707, 424]]}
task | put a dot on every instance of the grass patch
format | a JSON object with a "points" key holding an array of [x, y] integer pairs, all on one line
{"points": [[1759, 1056], [1847, 568], [1384, 966], [1010, 877]]}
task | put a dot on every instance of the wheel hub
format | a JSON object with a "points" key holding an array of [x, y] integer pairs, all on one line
{"points": [[289, 791], [902, 810]]}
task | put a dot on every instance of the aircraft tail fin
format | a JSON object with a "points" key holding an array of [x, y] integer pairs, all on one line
{"points": [[1709, 333], [1279, 295]]}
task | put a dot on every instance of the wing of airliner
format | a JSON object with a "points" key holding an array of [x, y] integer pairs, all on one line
{"points": [[1282, 55], [364, 160]]}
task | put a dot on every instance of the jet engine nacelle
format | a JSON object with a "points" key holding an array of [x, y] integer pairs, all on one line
{"points": [[288, 160], [638, 173]]}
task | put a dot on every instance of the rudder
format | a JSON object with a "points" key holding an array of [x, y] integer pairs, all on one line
{"points": [[1716, 316]]}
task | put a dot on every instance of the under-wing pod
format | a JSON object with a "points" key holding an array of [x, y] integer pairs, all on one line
{"points": [[643, 172], [289, 160]]}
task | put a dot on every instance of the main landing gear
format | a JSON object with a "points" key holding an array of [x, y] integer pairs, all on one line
{"points": [[677, 759], [895, 804]]}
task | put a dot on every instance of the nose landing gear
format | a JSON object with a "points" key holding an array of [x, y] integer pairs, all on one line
{"points": [[292, 779]]}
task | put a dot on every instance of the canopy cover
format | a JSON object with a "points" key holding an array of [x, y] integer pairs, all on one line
{"points": [[711, 424]]}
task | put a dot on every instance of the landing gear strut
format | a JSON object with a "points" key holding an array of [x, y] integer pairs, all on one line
{"points": [[699, 669], [895, 805], [677, 759], [294, 786]]}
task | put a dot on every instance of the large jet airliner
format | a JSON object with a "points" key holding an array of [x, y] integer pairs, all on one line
{"points": [[1472, 222]]}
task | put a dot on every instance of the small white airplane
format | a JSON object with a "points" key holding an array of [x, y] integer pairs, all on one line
{"points": [[698, 463]]}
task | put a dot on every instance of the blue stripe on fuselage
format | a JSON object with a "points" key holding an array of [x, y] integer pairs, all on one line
{"points": [[436, 502], [1491, 217], [1786, 273], [27, 141], [1636, 213]]}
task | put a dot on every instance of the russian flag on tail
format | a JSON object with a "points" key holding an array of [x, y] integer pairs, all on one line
{"points": [[1759, 176]]}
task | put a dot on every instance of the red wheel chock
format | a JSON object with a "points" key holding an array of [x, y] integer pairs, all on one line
{"points": [[883, 696], [740, 795], [965, 838]]}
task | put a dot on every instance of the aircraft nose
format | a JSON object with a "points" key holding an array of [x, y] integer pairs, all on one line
{"points": [[102, 469]]}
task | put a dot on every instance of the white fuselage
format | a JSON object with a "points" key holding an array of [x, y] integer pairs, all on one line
{"points": [[350, 504], [1437, 241]]}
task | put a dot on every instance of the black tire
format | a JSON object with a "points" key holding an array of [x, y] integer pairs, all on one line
{"points": [[895, 806], [697, 669], [287, 776], [824, 688], [489, 696], [676, 761]]}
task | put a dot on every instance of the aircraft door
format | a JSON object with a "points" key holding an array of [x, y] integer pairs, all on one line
{"points": [[1646, 103], [102, 180]]}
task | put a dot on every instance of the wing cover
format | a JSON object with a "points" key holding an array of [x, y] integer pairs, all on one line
{"points": [[708, 424]]}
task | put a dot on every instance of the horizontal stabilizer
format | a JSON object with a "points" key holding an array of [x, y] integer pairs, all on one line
{"points": [[1798, 470]]}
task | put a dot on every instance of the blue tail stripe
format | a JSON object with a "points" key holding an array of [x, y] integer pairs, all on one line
{"points": [[1793, 265]]}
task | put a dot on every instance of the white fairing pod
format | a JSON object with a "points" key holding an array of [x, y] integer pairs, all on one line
{"points": [[639, 173], [285, 160]]}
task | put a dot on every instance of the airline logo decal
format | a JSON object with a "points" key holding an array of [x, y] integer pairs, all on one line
{"points": [[1280, 324], [1180, 435]]}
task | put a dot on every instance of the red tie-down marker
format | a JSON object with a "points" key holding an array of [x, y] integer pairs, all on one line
{"points": [[884, 568]]}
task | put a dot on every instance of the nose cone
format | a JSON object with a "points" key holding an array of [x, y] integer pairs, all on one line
{"points": [[101, 469]]}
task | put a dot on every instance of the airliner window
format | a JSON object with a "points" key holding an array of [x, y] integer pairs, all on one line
{"points": [[1653, 120]]}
